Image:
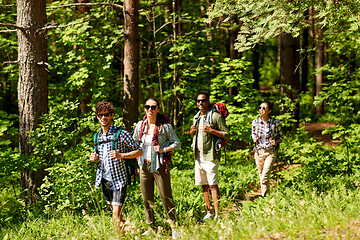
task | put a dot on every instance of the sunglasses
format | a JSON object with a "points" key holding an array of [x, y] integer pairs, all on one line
{"points": [[100, 115], [202, 100], [263, 108], [153, 107]]}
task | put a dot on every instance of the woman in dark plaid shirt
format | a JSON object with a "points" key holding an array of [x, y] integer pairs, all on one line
{"points": [[266, 133]]}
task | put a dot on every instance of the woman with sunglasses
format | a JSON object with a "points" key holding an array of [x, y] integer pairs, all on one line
{"points": [[266, 133], [158, 139]]}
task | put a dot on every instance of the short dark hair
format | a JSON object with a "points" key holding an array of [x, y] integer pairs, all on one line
{"points": [[269, 104], [204, 93], [102, 106]]}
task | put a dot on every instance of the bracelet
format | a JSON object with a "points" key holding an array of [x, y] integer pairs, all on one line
{"points": [[165, 149]]}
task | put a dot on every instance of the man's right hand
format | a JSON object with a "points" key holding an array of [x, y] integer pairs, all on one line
{"points": [[94, 157], [192, 129]]}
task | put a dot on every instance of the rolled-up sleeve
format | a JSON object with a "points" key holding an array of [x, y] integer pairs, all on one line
{"points": [[222, 127], [173, 138]]}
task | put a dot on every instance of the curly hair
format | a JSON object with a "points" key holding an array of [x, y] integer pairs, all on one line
{"points": [[102, 106]]}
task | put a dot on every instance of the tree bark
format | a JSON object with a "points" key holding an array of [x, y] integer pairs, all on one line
{"points": [[256, 67], [85, 97], [289, 73], [320, 61], [32, 84], [305, 59], [131, 62], [233, 32]]}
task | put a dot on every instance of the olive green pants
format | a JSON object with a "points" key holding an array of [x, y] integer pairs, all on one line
{"points": [[163, 185]]}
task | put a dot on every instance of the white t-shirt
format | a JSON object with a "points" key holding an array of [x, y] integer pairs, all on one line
{"points": [[147, 147]]}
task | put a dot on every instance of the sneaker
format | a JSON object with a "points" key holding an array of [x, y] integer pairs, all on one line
{"points": [[175, 234], [217, 217], [147, 232], [208, 216]]}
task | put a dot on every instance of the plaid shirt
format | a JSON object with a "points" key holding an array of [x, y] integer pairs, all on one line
{"points": [[117, 166], [272, 131]]}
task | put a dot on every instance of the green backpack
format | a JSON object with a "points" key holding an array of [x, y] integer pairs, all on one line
{"points": [[131, 164]]}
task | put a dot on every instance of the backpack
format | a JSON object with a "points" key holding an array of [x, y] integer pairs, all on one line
{"points": [[131, 164], [221, 109]]}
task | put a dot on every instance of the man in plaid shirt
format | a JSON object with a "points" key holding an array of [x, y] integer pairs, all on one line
{"points": [[111, 169]]}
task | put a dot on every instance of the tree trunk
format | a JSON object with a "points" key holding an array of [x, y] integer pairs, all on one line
{"points": [[289, 74], [320, 61], [312, 56], [305, 64], [131, 63], [85, 97], [256, 67], [32, 84], [233, 32]]}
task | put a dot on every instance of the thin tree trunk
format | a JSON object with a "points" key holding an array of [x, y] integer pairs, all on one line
{"points": [[320, 61], [312, 57], [256, 67], [233, 32], [305, 59], [85, 97], [32, 84], [289, 73], [131, 62]]}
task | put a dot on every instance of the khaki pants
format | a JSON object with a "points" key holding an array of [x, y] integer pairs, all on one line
{"points": [[264, 159], [164, 188]]}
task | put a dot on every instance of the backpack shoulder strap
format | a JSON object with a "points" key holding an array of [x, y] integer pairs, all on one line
{"points": [[115, 138], [96, 142]]}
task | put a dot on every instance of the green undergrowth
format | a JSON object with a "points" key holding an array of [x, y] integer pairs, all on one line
{"points": [[286, 213]]}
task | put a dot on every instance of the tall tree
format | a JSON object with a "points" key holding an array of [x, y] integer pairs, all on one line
{"points": [[32, 84], [85, 97], [289, 72], [233, 32], [131, 62], [320, 62]]}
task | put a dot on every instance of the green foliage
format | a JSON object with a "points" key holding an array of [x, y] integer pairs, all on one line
{"points": [[232, 73], [321, 166], [9, 156], [63, 143]]}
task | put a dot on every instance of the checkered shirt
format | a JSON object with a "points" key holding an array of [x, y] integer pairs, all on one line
{"points": [[117, 166], [272, 131]]}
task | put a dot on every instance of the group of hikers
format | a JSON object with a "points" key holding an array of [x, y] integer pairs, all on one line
{"points": [[152, 144]]}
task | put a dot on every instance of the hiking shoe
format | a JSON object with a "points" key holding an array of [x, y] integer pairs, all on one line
{"points": [[175, 234], [217, 218], [147, 232], [208, 216]]}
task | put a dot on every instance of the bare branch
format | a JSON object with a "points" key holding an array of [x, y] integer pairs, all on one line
{"points": [[10, 62], [85, 4], [7, 31], [47, 65], [11, 26], [60, 26]]}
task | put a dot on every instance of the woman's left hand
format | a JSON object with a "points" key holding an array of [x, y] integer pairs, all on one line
{"points": [[272, 142]]}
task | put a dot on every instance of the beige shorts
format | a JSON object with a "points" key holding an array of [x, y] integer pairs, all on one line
{"points": [[206, 173]]}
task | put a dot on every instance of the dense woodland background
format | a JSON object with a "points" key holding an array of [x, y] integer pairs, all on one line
{"points": [[59, 58]]}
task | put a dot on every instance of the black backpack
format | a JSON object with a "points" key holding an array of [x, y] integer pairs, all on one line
{"points": [[131, 164]]}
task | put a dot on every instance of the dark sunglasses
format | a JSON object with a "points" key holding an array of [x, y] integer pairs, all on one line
{"points": [[100, 115], [263, 108], [153, 107], [202, 100]]}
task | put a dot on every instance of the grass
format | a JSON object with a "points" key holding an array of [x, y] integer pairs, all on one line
{"points": [[287, 213]]}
